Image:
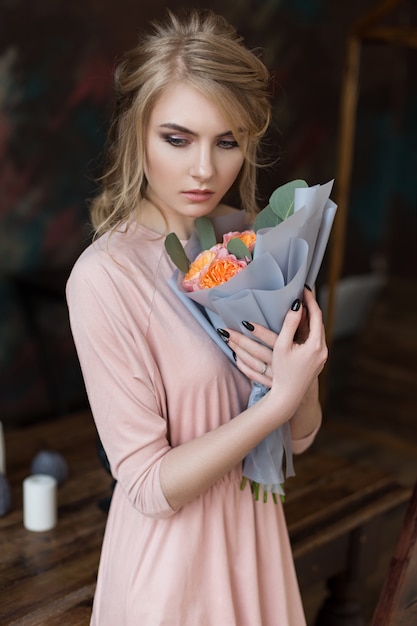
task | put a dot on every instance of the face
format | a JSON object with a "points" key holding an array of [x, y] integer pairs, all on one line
{"points": [[191, 160]]}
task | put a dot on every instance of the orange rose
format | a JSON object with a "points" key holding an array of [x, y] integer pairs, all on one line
{"points": [[220, 271], [247, 236], [191, 280]]}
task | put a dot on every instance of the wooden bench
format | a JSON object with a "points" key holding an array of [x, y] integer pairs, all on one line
{"points": [[48, 578]]}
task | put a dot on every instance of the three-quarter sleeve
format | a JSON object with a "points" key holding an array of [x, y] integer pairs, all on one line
{"points": [[302, 444], [123, 386]]}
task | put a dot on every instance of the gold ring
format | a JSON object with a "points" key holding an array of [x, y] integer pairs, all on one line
{"points": [[263, 370]]}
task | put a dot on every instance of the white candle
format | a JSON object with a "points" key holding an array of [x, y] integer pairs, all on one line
{"points": [[2, 451], [39, 502]]}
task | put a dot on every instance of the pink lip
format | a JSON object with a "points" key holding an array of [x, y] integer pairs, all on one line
{"points": [[198, 195]]}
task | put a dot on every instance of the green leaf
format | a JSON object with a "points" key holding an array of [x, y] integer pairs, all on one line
{"points": [[265, 219], [282, 199], [176, 251], [281, 205], [237, 247], [205, 231]]}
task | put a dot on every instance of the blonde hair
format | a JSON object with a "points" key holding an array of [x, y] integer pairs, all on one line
{"points": [[202, 49]]}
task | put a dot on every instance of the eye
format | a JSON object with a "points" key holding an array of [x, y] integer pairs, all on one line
{"points": [[175, 141], [228, 144]]}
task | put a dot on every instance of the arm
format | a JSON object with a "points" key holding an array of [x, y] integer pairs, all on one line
{"points": [[131, 417], [191, 468], [306, 421]]}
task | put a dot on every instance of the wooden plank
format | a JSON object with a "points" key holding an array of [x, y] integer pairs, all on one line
{"points": [[331, 529], [49, 578], [39, 588], [398, 600], [348, 492], [72, 609]]}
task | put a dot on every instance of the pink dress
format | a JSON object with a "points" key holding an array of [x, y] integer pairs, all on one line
{"points": [[156, 380]]}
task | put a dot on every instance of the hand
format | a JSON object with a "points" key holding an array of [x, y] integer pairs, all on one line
{"points": [[293, 359]]}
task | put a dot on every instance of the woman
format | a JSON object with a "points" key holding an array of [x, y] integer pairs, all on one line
{"points": [[184, 545]]}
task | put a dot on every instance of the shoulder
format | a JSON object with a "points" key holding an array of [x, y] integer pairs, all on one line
{"points": [[89, 280], [93, 263], [119, 253], [112, 285], [115, 264]]}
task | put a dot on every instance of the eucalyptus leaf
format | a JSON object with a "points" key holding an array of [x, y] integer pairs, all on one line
{"points": [[282, 199], [237, 247], [176, 251], [206, 233], [265, 219]]}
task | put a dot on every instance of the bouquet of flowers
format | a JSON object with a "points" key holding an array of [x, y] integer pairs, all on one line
{"points": [[254, 274]]}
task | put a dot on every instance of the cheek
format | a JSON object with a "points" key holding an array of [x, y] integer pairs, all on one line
{"points": [[156, 161], [158, 166], [233, 169]]}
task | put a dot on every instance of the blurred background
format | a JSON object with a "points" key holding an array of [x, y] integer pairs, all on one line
{"points": [[56, 63]]}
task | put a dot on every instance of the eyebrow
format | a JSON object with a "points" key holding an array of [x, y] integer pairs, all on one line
{"points": [[183, 129]]}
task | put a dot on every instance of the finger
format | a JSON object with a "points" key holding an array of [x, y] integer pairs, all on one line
{"points": [[255, 370], [310, 300], [303, 328], [250, 351], [263, 334], [252, 357], [291, 323], [317, 334], [258, 341], [315, 316]]}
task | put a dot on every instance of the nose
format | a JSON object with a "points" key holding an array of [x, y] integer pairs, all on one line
{"points": [[202, 166]]}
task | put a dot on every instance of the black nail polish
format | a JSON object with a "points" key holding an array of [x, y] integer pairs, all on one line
{"points": [[234, 355], [248, 325], [295, 305], [224, 334], [308, 287]]}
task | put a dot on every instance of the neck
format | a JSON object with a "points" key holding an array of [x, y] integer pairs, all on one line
{"points": [[154, 218]]}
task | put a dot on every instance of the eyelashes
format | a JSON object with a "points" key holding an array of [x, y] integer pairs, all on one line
{"points": [[175, 141], [180, 142], [228, 144]]}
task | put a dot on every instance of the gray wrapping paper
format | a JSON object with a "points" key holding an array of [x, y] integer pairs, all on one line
{"points": [[286, 257]]}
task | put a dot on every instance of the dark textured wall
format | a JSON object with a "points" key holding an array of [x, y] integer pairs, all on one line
{"points": [[56, 62]]}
